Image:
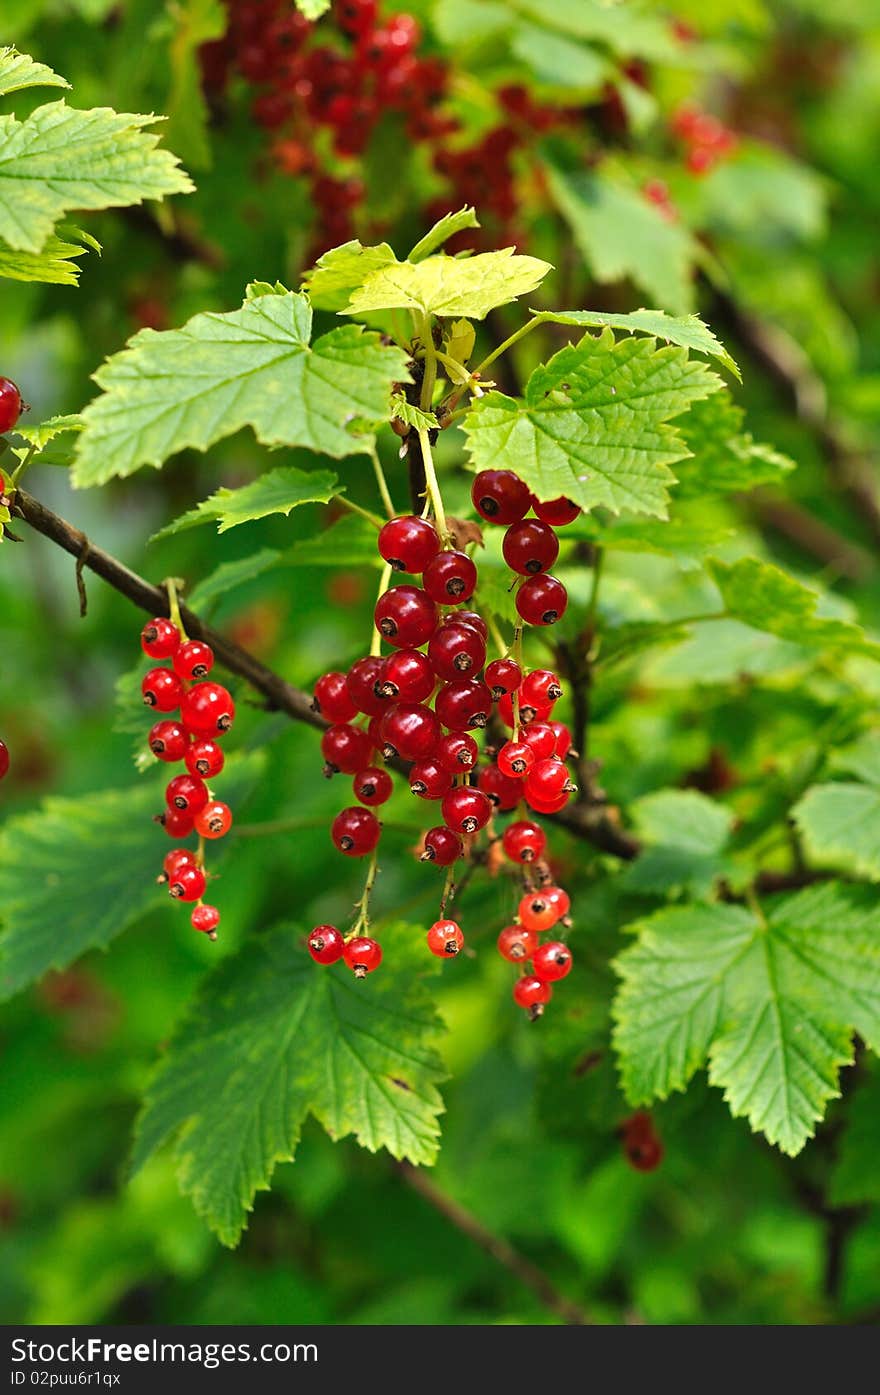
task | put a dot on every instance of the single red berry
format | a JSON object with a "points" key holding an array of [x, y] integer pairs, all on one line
{"points": [[530, 547], [407, 676], [500, 496], [409, 544], [551, 961], [406, 616], [356, 17], [516, 943], [193, 660], [532, 993], [541, 738], [547, 780], [355, 831], [541, 600], [528, 713], [470, 617], [503, 792], [556, 512], [466, 810], [332, 698], [558, 898], [536, 912], [204, 758], [540, 687], [4, 759], [162, 689], [445, 939], [160, 639], [186, 792], [373, 785], [429, 780], [362, 683], [450, 577], [409, 730], [442, 846], [548, 806], [207, 710], [515, 759], [326, 944], [168, 740], [188, 883], [362, 955], [503, 676], [177, 823], [455, 649], [10, 404], [174, 860], [346, 748], [215, 820], [464, 703], [642, 1147], [456, 752], [524, 841], [563, 739], [206, 919]]}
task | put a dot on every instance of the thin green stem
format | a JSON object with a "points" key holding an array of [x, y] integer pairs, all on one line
{"points": [[517, 648], [509, 342], [497, 637], [460, 373], [426, 400], [376, 645], [21, 467], [372, 518], [384, 491], [172, 583], [434, 495], [363, 905]]}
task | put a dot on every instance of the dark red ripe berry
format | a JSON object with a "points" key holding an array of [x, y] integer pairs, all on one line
{"points": [[517, 944], [536, 912], [407, 676], [456, 752], [450, 577], [466, 810], [556, 512], [188, 883], [503, 676], [193, 660], [429, 780], [207, 709], [10, 404], [204, 758], [160, 638], [456, 649], [500, 496], [445, 939], [356, 17], [524, 841], [551, 961], [346, 748], [558, 898], [563, 739], [409, 544], [362, 683], [540, 687], [530, 547], [442, 846], [409, 730], [162, 689], [504, 792], [406, 616], [462, 704], [547, 780], [332, 698], [470, 617], [362, 955], [326, 944], [168, 740], [355, 831], [532, 993], [541, 600], [177, 823], [215, 820], [542, 739], [186, 792], [206, 919], [515, 759], [373, 785], [4, 759]]}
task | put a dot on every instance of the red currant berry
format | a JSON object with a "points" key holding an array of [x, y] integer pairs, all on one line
{"points": [[429, 780], [527, 712], [540, 688], [207, 710], [364, 678], [450, 577], [541, 738], [332, 698], [174, 860], [356, 17], [464, 703], [503, 676], [186, 792], [500, 496], [530, 547], [556, 512], [541, 600], [551, 961], [547, 780], [355, 831], [407, 676], [215, 820], [548, 806], [204, 758], [362, 955], [4, 759], [445, 939], [558, 898], [517, 944], [409, 730], [442, 846], [193, 660], [373, 785], [326, 944], [206, 919], [168, 740], [177, 823], [345, 748], [470, 617], [563, 739], [10, 404], [160, 638], [188, 883], [641, 1146], [466, 810], [162, 689], [515, 759], [532, 993], [503, 792], [374, 732], [406, 616], [524, 841], [409, 544], [536, 912], [455, 649], [456, 752]]}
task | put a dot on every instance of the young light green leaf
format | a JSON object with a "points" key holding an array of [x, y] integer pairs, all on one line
{"points": [[447, 227], [724, 459], [840, 827], [253, 367], [450, 286], [278, 491], [59, 159], [594, 423], [230, 575], [19, 70], [54, 264], [339, 272], [688, 331], [404, 411], [685, 836], [41, 433], [771, 1004], [268, 1042], [767, 598], [860, 758]]}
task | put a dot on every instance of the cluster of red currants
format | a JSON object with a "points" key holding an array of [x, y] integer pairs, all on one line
{"points": [[206, 712], [417, 706], [706, 139], [11, 405]]}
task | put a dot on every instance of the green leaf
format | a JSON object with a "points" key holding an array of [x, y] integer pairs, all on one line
{"points": [[230, 575], [19, 70], [770, 1004], [342, 270], [724, 458], [767, 598], [43, 432], [622, 235], [313, 9], [559, 61], [53, 264], [688, 331], [594, 423], [686, 538], [622, 642], [632, 30], [840, 827], [350, 543], [449, 286], [402, 410], [686, 835], [59, 159], [861, 758], [856, 1177], [278, 491], [253, 367], [195, 22], [448, 226], [271, 1040]]}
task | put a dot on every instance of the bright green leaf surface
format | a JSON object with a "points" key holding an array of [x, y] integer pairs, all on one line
{"points": [[278, 491], [767, 598]]}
